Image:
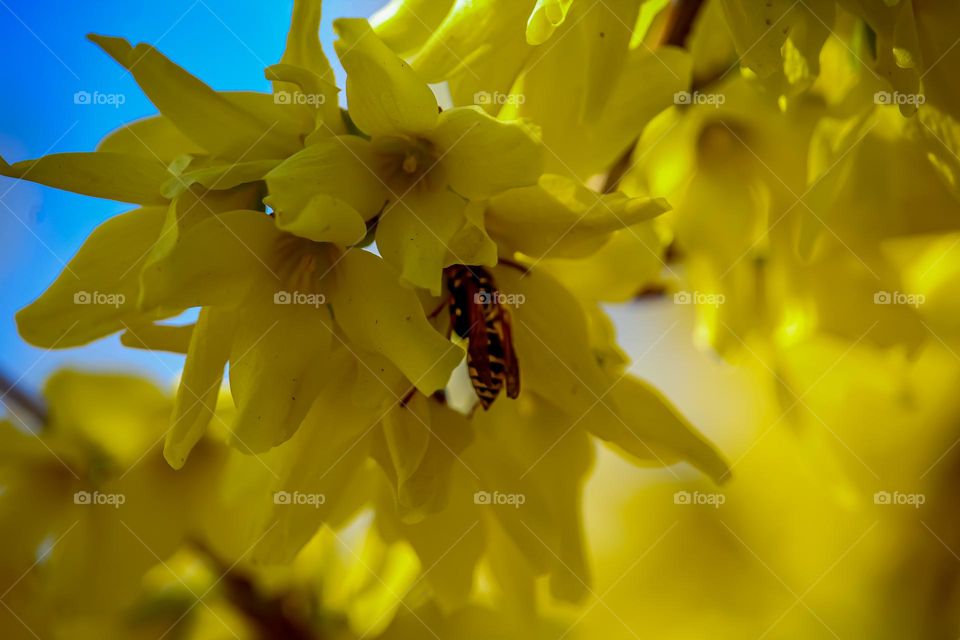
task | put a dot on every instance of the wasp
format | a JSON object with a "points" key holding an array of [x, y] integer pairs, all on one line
{"points": [[477, 316]]}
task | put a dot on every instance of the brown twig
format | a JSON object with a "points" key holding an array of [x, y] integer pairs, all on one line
{"points": [[13, 394]]}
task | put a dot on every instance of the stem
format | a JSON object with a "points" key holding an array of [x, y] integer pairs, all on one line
{"points": [[680, 19], [267, 614], [23, 400]]}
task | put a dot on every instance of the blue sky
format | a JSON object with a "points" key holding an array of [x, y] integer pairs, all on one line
{"points": [[46, 60]]}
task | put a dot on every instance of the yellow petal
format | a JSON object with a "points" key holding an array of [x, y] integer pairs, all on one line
{"points": [[479, 49], [324, 219], [406, 429], [450, 540], [471, 244], [560, 218], [113, 176], [545, 18], [97, 293], [384, 94], [222, 127], [276, 367], [302, 89], [154, 138], [483, 156], [378, 316], [628, 262], [212, 262], [404, 25], [417, 447], [321, 460], [554, 456], [158, 337], [639, 420], [219, 176], [339, 167], [200, 383], [303, 40], [415, 235], [607, 28], [552, 341]]}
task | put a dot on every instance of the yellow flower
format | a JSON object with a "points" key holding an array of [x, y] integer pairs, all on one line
{"points": [[539, 61], [415, 177]]}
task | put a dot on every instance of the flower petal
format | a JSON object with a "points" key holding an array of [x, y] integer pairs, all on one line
{"points": [[479, 49], [154, 138], [384, 94], [404, 25], [223, 127], [114, 176], [639, 420], [560, 218], [106, 265], [552, 341], [340, 167], [324, 219], [158, 337], [219, 176], [303, 40], [276, 367], [322, 458], [483, 156], [213, 261], [200, 383], [415, 235], [376, 315]]}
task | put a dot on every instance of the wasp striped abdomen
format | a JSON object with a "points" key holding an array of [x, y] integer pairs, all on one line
{"points": [[477, 316]]}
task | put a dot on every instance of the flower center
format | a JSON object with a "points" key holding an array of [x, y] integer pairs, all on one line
{"points": [[304, 263], [407, 163]]}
